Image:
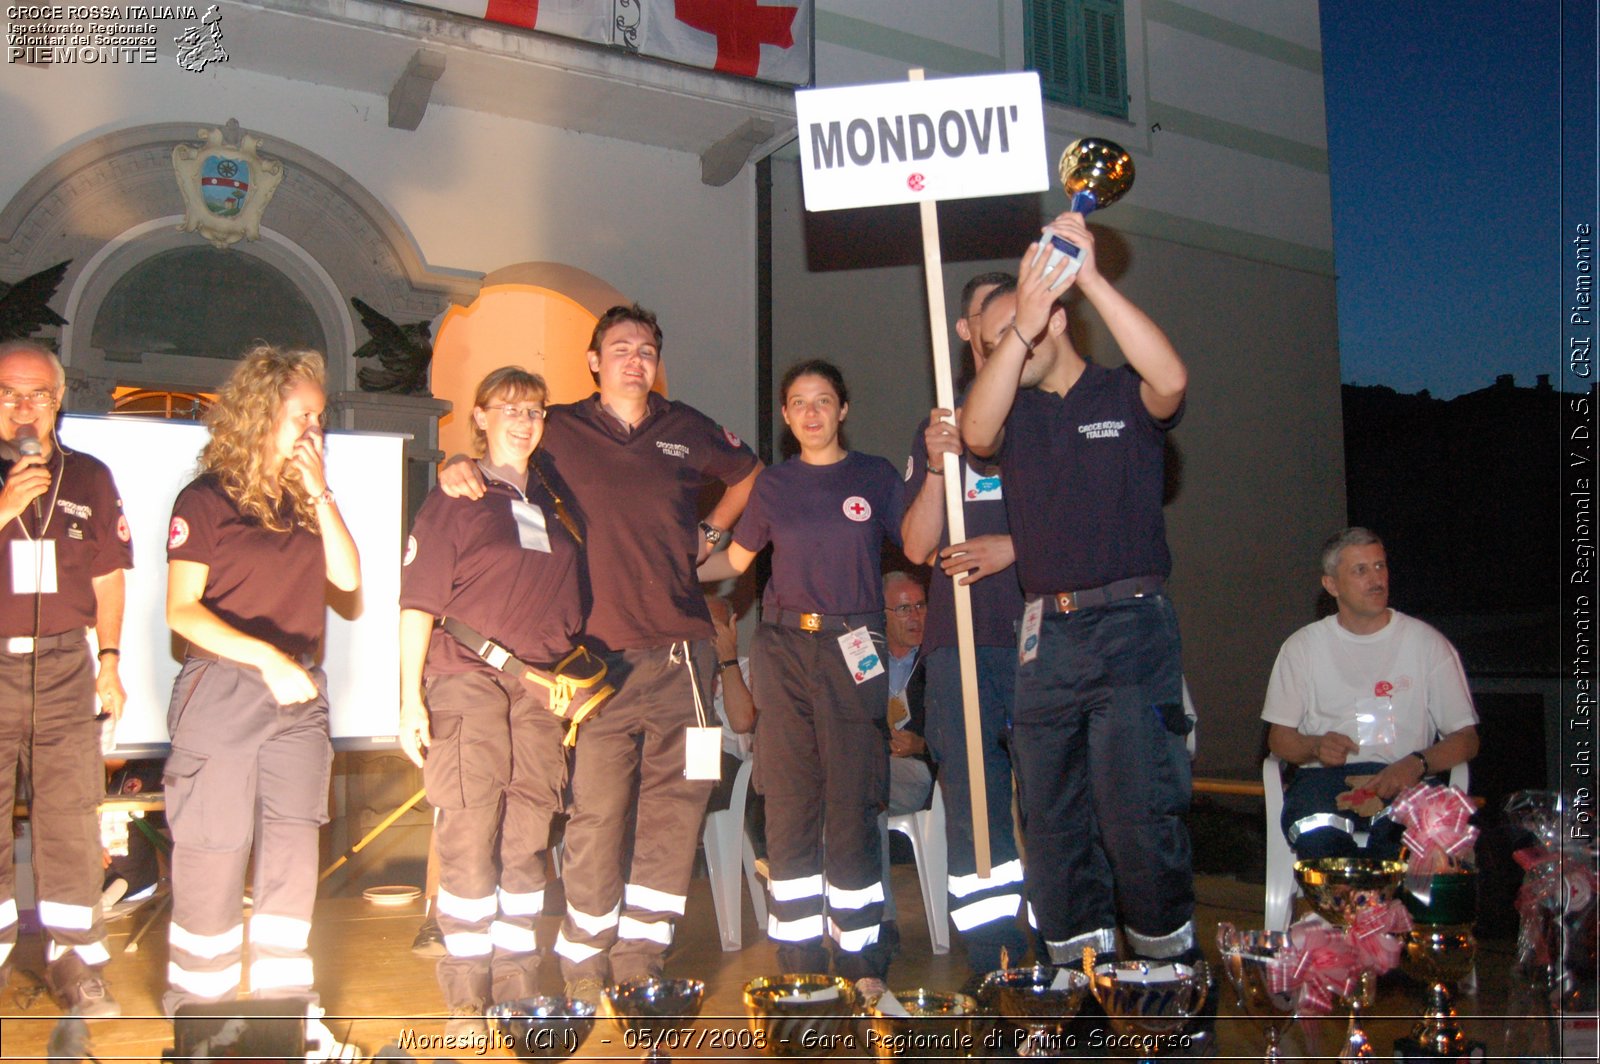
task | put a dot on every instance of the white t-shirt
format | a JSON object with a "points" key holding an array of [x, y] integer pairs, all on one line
{"points": [[1394, 691]]}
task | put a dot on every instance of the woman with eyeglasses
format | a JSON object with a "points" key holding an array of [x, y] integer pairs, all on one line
{"points": [[487, 584], [818, 665], [253, 544]]}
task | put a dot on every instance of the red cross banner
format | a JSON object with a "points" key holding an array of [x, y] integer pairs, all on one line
{"points": [[769, 40]]}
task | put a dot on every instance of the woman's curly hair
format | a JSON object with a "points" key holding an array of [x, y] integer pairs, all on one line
{"points": [[242, 423]]}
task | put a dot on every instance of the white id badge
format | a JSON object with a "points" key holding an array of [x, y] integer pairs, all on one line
{"points": [[861, 657], [702, 754], [531, 531], [979, 486], [1028, 637], [33, 566]]}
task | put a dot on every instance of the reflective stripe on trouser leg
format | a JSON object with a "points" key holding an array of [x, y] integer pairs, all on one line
{"points": [[1070, 951], [532, 799], [983, 912], [243, 771], [640, 735], [64, 764], [483, 773], [977, 900], [1100, 758], [823, 763], [8, 928], [1161, 947]]}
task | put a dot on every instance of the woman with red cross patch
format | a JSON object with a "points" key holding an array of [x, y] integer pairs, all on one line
{"points": [[821, 682]]}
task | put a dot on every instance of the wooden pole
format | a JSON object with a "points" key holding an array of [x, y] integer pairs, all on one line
{"points": [[956, 522]]}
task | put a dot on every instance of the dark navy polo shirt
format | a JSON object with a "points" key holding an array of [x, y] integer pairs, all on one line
{"points": [[997, 599], [1084, 475], [826, 525]]}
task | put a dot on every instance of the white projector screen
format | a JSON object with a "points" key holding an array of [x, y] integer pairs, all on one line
{"points": [[152, 459]]}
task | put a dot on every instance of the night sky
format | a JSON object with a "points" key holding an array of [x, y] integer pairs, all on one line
{"points": [[1443, 137]]}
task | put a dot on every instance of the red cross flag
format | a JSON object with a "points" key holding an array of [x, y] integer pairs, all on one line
{"points": [[765, 39]]}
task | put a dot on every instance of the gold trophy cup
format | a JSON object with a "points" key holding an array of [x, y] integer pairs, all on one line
{"points": [[1096, 173]]}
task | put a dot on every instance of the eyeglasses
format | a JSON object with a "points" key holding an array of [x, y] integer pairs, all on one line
{"points": [[906, 609], [519, 413], [13, 399]]}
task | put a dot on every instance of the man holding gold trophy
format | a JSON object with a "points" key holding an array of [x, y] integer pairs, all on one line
{"points": [[1099, 728]]}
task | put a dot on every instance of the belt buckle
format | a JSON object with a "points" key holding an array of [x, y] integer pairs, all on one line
{"points": [[1066, 602], [19, 644], [811, 622]]}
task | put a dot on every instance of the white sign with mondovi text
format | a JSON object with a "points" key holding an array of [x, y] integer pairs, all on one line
{"points": [[911, 141]]}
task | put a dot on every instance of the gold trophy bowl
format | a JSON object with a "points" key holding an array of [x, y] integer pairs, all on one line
{"points": [[800, 1015], [1339, 887], [1031, 999], [1095, 172], [936, 1023], [655, 1012]]}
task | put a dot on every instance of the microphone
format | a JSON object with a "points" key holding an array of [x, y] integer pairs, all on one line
{"points": [[28, 440], [28, 444]]}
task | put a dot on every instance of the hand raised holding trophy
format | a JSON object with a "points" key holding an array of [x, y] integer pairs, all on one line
{"points": [[1095, 173]]}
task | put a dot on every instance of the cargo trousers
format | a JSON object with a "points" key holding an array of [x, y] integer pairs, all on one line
{"points": [[244, 772], [1103, 776], [47, 726], [822, 760], [635, 819], [494, 772]]}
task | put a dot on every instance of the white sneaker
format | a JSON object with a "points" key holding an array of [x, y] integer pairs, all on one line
{"points": [[321, 1045]]}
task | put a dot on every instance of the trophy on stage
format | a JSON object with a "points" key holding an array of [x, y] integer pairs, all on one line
{"points": [[541, 1028], [1096, 173], [800, 1014], [655, 1012]]}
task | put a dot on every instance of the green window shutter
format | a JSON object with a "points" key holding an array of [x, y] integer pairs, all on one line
{"points": [[1078, 49]]}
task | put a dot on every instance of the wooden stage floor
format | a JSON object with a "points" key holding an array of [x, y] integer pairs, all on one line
{"points": [[376, 989]]}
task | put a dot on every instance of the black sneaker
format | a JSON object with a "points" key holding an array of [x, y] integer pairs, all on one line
{"points": [[430, 940]]}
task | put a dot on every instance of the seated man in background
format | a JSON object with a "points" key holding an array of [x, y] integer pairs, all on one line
{"points": [[1367, 702], [905, 607]]}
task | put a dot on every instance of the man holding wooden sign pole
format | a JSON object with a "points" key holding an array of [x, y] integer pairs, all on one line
{"points": [[983, 908], [921, 142]]}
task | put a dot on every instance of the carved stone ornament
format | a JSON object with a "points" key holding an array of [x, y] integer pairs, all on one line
{"points": [[225, 185]]}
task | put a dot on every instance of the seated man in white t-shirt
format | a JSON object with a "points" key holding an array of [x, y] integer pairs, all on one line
{"points": [[1367, 692]]}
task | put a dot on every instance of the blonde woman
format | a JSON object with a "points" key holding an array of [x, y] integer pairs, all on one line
{"points": [[253, 543], [482, 577]]}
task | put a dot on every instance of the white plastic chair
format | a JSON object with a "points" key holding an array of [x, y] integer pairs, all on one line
{"points": [[1281, 886], [925, 829], [728, 851]]}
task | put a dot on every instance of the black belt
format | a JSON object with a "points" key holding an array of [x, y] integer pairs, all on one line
{"points": [[820, 622], [27, 644], [1133, 587], [200, 653]]}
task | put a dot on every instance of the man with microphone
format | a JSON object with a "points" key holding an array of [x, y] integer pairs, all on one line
{"points": [[63, 546]]}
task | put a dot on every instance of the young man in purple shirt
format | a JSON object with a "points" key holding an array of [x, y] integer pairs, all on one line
{"points": [[631, 466]]}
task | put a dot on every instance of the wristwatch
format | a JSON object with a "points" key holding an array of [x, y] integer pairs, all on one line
{"points": [[712, 533]]}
